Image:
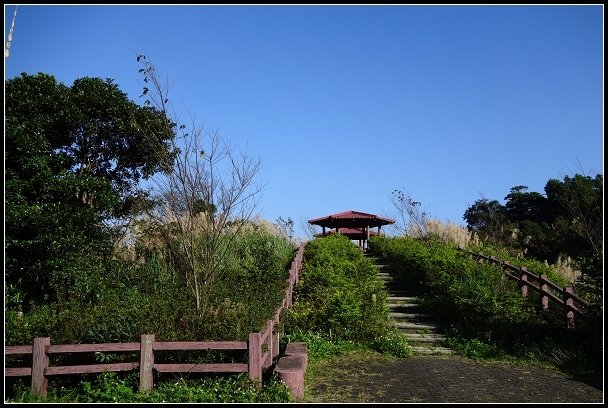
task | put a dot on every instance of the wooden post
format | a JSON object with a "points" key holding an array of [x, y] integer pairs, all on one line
{"points": [[275, 339], [523, 277], [569, 302], [544, 300], [297, 268], [146, 363], [40, 361], [270, 340], [255, 358]]}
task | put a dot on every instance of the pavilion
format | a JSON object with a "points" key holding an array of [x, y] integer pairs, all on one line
{"points": [[355, 225]]}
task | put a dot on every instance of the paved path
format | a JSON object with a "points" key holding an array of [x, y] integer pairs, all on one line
{"points": [[434, 379]]}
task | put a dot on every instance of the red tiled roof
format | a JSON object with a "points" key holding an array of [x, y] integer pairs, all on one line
{"points": [[350, 217]]}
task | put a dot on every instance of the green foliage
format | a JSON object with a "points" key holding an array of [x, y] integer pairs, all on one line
{"points": [[393, 343], [339, 294], [591, 285], [473, 348], [484, 310], [566, 221], [131, 299], [320, 345], [136, 298], [533, 265], [112, 387], [73, 158], [488, 219]]}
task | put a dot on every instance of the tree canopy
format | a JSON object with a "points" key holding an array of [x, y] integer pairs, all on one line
{"points": [[73, 159], [566, 221]]}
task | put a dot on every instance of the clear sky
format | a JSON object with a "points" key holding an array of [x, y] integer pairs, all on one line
{"points": [[345, 104]]}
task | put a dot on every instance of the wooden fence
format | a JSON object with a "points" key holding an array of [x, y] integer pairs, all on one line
{"points": [[563, 296], [261, 348]]}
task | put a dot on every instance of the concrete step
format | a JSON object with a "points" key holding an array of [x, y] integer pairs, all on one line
{"points": [[424, 337], [402, 299], [399, 293], [404, 308], [416, 326], [399, 315], [431, 350]]}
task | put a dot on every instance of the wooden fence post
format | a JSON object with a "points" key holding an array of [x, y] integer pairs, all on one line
{"points": [[40, 361], [146, 362], [569, 302], [275, 339], [544, 300], [523, 279], [270, 340], [255, 357]]}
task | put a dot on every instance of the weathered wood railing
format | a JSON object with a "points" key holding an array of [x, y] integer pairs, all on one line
{"points": [[261, 348], [563, 296]]}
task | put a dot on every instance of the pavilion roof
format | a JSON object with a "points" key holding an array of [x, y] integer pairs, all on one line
{"points": [[351, 219]]}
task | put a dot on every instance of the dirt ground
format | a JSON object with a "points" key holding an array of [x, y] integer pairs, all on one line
{"points": [[435, 379]]}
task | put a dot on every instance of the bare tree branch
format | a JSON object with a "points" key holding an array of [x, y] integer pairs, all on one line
{"points": [[207, 197]]}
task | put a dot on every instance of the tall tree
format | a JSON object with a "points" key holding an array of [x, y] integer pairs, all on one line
{"points": [[73, 158], [568, 221], [487, 218], [579, 199], [528, 213]]}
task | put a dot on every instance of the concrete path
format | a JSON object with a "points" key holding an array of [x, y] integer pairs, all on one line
{"points": [[449, 379]]}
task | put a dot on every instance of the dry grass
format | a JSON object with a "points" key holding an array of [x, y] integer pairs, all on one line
{"points": [[566, 270], [446, 232]]}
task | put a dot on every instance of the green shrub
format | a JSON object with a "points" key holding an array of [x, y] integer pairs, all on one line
{"points": [[339, 294], [112, 387], [320, 345], [132, 299], [394, 343], [534, 266], [486, 315]]}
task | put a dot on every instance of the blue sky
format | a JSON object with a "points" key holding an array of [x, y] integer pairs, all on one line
{"points": [[345, 104]]}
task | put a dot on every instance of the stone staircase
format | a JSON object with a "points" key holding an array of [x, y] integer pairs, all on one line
{"points": [[423, 334]]}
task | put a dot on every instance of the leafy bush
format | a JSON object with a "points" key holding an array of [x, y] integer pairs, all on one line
{"points": [[484, 310], [112, 387], [394, 343], [320, 345], [340, 296], [534, 266], [133, 299]]}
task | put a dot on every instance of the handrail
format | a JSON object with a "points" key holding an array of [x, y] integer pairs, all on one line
{"points": [[545, 287]]}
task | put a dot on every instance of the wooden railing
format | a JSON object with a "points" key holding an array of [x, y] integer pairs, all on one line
{"points": [[261, 348], [563, 296]]}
